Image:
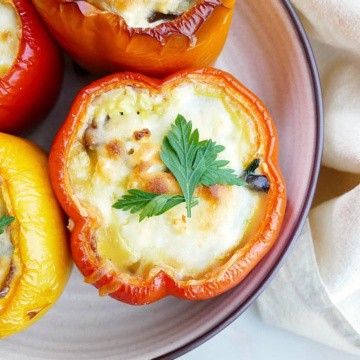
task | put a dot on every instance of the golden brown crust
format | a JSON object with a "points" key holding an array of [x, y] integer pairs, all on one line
{"points": [[115, 149], [159, 182], [139, 134], [91, 137], [5, 287]]}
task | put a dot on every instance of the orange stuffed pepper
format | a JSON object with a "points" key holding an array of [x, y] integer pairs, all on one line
{"points": [[155, 37], [31, 67], [172, 187]]}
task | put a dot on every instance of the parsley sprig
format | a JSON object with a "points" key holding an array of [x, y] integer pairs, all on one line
{"points": [[149, 204], [181, 154], [193, 163], [5, 221]]}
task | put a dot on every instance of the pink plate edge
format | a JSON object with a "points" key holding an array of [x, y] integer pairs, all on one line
{"points": [[292, 238]]}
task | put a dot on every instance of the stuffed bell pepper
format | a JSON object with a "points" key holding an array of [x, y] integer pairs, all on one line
{"points": [[157, 37], [31, 67], [172, 187], [34, 256]]}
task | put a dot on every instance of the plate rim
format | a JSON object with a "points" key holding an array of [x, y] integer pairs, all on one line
{"points": [[293, 237]]}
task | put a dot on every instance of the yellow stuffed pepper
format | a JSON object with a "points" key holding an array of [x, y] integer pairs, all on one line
{"points": [[34, 256]]}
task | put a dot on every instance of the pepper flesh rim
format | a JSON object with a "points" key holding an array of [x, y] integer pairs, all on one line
{"points": [[187, 24], [14, 271]]}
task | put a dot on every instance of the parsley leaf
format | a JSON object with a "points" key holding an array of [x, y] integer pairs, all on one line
{"points": [[195, 163], [162, 203], [180, 153], [216, 173], [148, 203], [134, 201], [5, 221]]}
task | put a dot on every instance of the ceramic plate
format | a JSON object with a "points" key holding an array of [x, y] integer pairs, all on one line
{"points": [[268, 51]]}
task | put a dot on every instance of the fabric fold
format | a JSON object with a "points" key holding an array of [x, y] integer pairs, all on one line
{"points": [[317, 292]]}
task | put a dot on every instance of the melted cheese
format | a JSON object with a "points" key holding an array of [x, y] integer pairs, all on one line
{"points": [[6, 247], [10, 34], [117, 149], [137, 13]]}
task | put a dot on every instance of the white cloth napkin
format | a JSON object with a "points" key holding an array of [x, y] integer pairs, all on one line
{"points": [[317, 292]]}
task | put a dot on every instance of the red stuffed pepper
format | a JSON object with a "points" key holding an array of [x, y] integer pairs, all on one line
{"points": [[172, 187], [31, 67]]}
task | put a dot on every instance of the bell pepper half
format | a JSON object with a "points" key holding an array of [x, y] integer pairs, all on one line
{"points": [[35, 261], [193, 39], [85, 154], [31, 85]]}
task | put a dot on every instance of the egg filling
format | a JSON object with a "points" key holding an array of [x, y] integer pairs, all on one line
{"points": [[10, 34], [145, 13], [117, 149], [6, 246]]}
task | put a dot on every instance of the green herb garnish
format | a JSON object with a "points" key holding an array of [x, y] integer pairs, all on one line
{"points": [[150, 204], [182, 153], [193, 163], [5, 221], [215, 172], [252, 167]]}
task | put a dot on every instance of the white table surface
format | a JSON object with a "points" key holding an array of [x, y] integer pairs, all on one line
{"points": [[249, 338]]}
